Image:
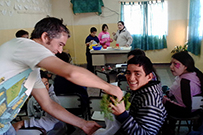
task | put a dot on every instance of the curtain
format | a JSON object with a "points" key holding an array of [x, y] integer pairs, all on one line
{"points": [[147, 23], [85, 6], [195, 26]]}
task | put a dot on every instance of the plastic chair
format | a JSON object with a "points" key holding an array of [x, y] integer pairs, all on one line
{"points": [[104, 76], [123, 84], [94, 110], [31, 131], [197, 104], [73, 104]]}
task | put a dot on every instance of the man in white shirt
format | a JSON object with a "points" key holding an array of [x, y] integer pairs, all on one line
{"points": [[20, 60]]}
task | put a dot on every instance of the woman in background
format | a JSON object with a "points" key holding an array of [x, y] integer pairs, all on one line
{"points": [[122, 36]]}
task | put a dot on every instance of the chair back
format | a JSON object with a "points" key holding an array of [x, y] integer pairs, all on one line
{"points": [[197, 102], [123, 84], [104, 76], [31, 131], [73, 103], [94, 105]]}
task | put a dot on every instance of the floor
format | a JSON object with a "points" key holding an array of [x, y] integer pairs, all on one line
{"points": [[166, 78]]}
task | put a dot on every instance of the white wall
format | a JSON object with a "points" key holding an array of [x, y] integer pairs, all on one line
{"points": [[16, 14]]}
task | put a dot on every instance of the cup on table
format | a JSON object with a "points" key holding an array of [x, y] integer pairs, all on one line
{"points": [[117, 45]]}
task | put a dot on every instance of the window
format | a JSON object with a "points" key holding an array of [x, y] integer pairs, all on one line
{"points": [[152, 16], [195, 33], [147, 23]]}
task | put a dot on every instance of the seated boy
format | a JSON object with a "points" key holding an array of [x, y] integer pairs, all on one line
{"points": [[38, 117], [147, 113]]}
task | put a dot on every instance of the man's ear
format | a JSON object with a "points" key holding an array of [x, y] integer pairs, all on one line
{"points": [[44, 37], [150, 76]]}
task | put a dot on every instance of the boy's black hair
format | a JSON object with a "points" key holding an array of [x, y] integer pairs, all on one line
{"points": [[93, 29], [20, 33], [43, 74], [136, 52], [53, 26], [103, 27], [143, 61], [64, 56]]}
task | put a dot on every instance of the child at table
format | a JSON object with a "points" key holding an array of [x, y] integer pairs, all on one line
{"points": [[91, 39], [147, 112], [104, 36], [105, 40]]}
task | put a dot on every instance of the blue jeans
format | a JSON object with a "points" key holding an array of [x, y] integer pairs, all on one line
{"points": [[11, 131]]}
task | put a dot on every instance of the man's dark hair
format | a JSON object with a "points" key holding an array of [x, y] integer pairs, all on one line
{"points": [[143, 61], [93, 29], [136, 52], [20, 33], [103, 27], [53, 26]]}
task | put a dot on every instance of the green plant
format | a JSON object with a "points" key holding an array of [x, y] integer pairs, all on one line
{"points": [[180, 48], [106, 101]]}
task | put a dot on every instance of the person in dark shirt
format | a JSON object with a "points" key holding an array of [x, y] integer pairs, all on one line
{"points": [[91, 39], [65, 87]]}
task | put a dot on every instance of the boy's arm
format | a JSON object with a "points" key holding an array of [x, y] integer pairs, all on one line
{"points": [[131, 125], [44, 122], [78, 75]]}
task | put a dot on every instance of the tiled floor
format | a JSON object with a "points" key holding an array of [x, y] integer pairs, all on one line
{"points": [[165, 77]]}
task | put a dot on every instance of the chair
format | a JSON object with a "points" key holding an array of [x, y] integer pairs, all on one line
{"points": [[31, 131], [94, 110], [197, 104], [73, 104], [123, 84], [104, 76]]}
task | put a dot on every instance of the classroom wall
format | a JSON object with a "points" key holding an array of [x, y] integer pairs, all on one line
{"points": [[80, 24], [23, 14]]}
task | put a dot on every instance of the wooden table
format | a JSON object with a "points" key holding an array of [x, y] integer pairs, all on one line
{"points": [[109, 56]]}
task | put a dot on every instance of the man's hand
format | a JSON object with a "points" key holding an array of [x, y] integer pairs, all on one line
{"points": [[116, 91], [113, 33], [18, 125], [90, 127]]}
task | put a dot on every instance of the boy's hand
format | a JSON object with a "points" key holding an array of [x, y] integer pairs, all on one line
{"points": [[117, 107], [18, 125]]}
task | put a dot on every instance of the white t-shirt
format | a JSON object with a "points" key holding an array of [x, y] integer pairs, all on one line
{"points": [[18, 76]]}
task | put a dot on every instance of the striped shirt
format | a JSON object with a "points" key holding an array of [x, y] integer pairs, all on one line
{"points": [[147, 112]]}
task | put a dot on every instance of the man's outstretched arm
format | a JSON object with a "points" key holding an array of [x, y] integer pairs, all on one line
{"points": [[78, 75]]}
